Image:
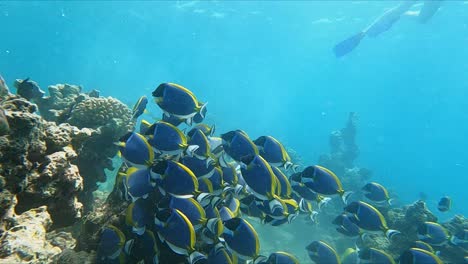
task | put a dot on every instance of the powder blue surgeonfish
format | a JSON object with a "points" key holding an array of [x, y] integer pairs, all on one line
{"points": [[241, 238], [140, 107], [198, 138], [143, 247], [189, 207], [369, 218], [135, 150], [419, 256], [175, 178], [445, 204], [433, 233], [175, 229], [138, 216], [168, 139], [322, 253], [347, 225], [238, 145], [274, 152], [111, 244], [178, 101], [376, 192], [201, 168], [323, 181], [137, 183], [260, 179]]}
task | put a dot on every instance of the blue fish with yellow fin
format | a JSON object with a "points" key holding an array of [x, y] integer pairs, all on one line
{"points": [[189, 207], [175, 229], [260, 179], [138, 183], [138, 216], [175, 178], [143, 248], [111, 244], [274, 152], [238, 145], [369, 218], [136, 150], [377, 193], [241, 238], [419, 256], [445, 204], [433, 233], [176, 100], [198, 138], [168, 139], [140, 107], [323, 181], [322, 253]]}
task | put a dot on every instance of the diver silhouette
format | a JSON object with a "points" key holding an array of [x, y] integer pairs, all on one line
{"points": [[385, 21]]}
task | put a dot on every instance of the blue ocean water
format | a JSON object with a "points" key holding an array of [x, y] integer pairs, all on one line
{"points": [[268, 68]]}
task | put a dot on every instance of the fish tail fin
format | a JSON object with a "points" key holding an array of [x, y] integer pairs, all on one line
{"points": [[119, 144], [259, 259], [313, 216], [191, 149], [196, 257], [345, 196], [189, 121], [323, 201], [390, 233], [346, 46], [294, 167], [390, 201], [212, 131], [202, 107]]}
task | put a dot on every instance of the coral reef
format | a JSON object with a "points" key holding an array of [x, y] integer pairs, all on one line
{"points": [[50, 168], [36, 164], [26, 240]]}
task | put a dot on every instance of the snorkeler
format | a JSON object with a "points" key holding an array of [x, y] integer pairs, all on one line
{"points": [[385, 22]]}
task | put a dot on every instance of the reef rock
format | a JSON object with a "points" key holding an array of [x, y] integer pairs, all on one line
{"points": [[36, 166], [57, 106], [25, 241]]}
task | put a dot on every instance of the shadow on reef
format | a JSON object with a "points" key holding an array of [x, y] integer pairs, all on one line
{"points": [[52, 161]]}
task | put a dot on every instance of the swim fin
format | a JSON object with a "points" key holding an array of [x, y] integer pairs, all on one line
{"points": [[428, 10], [347, 45]]}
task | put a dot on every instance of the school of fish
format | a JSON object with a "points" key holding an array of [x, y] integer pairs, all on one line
{"points": [[188, 193]]}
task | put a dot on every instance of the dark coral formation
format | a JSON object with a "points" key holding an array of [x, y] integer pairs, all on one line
{"points": [[49, 168], [36, 164]]}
